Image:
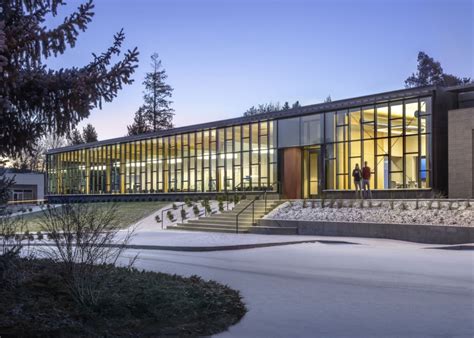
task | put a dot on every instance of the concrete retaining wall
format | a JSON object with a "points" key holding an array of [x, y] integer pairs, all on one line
{"points": [[433, 234]]}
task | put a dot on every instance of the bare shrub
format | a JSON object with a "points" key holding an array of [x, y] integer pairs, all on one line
{"points": [[11, 237], [87, 244]]}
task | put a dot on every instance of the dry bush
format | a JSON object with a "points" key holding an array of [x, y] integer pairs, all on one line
{"points": [[11, 237], [86, 243]]}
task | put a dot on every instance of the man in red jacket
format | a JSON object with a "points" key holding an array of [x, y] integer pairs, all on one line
{"points": [[366, 181]]}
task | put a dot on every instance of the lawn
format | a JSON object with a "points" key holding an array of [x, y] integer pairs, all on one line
{"points": [[127, 213]]}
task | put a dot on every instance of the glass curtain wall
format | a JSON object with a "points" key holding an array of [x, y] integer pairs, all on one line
{"points": [[393, 138], [235, 157]]}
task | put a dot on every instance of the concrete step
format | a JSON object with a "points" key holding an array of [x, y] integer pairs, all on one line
{"points": [[264, 230], [257, 204], [244, 215], [212, 220], [213, 226], [204, 229], [226, 221]]}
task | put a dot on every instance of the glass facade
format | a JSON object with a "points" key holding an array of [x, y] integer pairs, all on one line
{"points": [[393, 137], [235, 157]]}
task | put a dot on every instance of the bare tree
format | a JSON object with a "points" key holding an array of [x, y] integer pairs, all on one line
{"points": [[11, 230], [87, 244], [35, 158]]}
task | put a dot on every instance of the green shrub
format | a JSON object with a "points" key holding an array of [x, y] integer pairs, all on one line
{"points": [[221, 206], [39, 236], [158, 219], [170, 215], [208, 208], [195, 210], [183, 214], [175, 207]]}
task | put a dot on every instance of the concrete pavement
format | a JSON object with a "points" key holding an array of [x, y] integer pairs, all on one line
{"points": [[381, 288]]}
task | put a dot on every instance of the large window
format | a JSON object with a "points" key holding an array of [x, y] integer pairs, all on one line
{"points": [[234, 157], [393, 138]]}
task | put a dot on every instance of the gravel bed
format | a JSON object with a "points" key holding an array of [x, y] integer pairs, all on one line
{"points": [[458, 213]]}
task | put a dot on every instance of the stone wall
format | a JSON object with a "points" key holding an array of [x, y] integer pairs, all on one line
{"points": [[433, 234], [460, 153]]}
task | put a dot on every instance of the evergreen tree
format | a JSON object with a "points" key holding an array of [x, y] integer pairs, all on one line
{"points": [[286, 106], [156, 97], [75, 137], [296, 105], [89, 134], [5, 184], [36, 100], [263, 108], [140, 124], [429, 72], [328, 99]]}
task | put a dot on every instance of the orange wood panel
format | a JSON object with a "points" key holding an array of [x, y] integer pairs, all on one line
{"points": [[292, 172]]}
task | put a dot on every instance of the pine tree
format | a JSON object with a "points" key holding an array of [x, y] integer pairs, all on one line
{"points": [[296, 105], [75, 137], [140, 124], [156, 97], [429, 72], [36, 100], [5, 184], [328, 99], [286, 106], [89, 134]]}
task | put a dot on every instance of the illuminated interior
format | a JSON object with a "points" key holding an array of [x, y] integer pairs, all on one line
{"points": [[394, 138], [238, 157]]}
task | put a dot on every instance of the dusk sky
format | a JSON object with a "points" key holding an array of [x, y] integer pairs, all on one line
{"points": [[222, 57]]}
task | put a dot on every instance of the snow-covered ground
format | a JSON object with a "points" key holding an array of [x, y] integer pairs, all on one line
{"points": [[382, 288], [434, 212]]}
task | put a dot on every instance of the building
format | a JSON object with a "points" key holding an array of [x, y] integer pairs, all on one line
{"points": [[28, 187], [304, 152]]}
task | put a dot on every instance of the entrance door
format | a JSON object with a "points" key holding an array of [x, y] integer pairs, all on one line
{"points": [[311, 173]]}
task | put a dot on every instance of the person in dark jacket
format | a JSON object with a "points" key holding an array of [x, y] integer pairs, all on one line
{"points": [[357, 176], [366, 181]]}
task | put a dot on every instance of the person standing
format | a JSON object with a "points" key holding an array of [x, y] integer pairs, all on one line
{"points": [[366, 181], [357, 176]]}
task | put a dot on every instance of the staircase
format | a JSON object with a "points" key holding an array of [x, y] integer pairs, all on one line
{"points": [[226, 221]]}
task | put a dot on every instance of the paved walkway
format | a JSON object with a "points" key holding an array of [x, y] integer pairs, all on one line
{"points": [[380, 289]]}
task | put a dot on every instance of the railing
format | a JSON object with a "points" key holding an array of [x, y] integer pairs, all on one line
{"points": [[252, 203]]}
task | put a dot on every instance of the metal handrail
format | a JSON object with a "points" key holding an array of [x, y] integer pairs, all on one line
{"points": [[234, 191], [264, 192]]}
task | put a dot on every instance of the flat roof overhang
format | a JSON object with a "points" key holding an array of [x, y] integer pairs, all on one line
{"points": [[305, 110]]}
